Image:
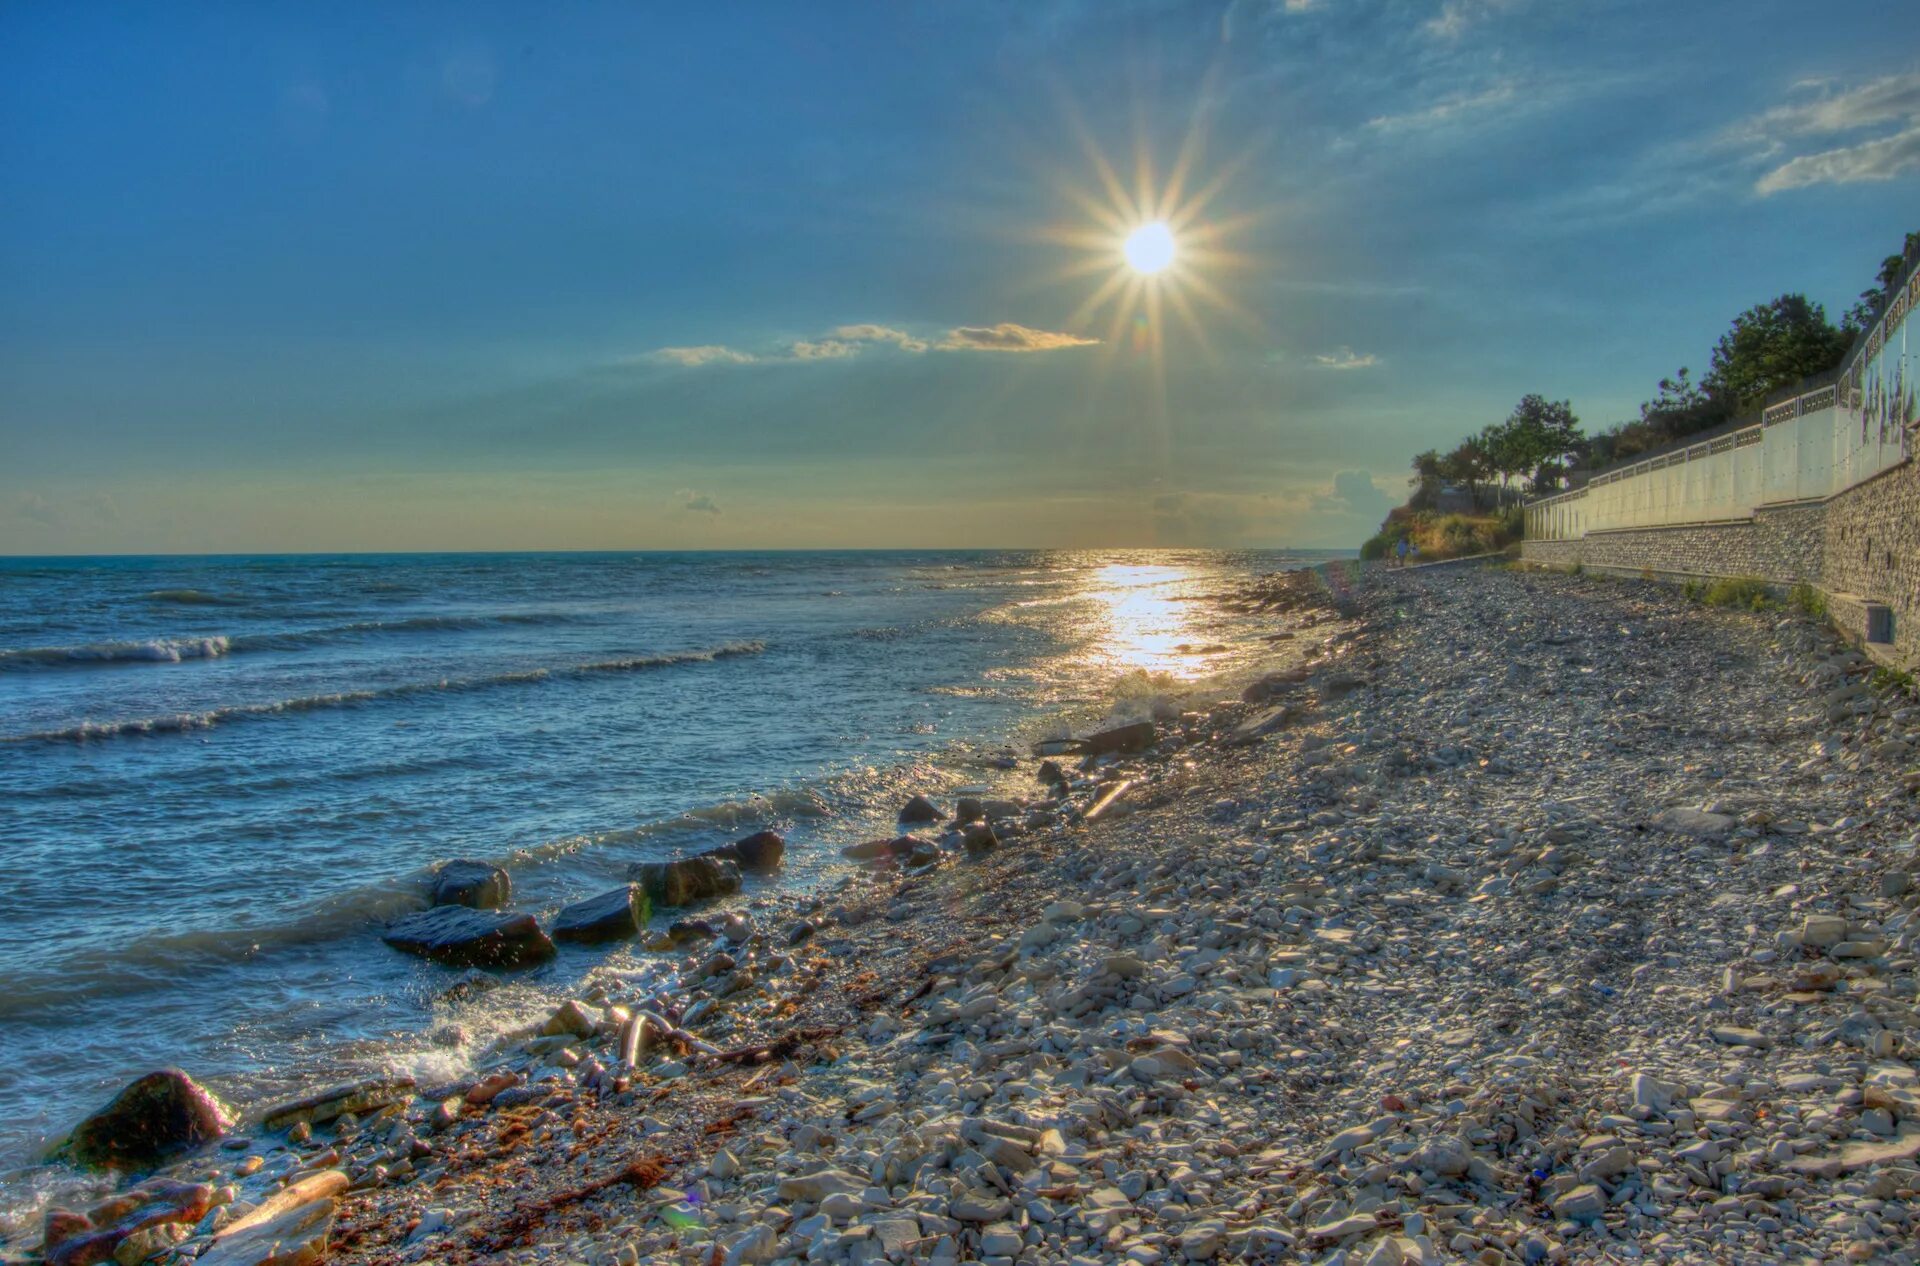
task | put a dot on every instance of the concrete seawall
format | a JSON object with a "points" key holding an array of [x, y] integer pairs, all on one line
{"points": [[1824, 490]]}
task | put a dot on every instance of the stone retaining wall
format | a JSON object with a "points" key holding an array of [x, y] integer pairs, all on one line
{"points": [[1872, 554], [1783, 544], [1861, 547]]}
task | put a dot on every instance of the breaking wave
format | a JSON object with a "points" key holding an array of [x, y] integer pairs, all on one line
{"points": [[172, 650], [183, 721], [160, 650]]}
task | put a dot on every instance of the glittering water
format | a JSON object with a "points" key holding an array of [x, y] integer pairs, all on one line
{"points": [[218, 775]]}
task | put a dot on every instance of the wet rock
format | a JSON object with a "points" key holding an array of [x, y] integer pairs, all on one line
{"points": [[761, 853], [979, 840], [611, 916], [326, 1185], [296, 1237], [569, 1019], [149, 1242], [687, 880], [873, 850], [357, 1097], [154, 1117], [477, 885], [688, 931], [1135, 737], [460, 937], [920, 809], [74, 1239]]}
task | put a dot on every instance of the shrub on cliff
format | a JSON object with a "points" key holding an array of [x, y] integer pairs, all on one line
{"points": [[1444, 535]]}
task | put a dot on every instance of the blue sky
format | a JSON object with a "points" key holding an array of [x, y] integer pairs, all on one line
{"points": [[581, 276]]}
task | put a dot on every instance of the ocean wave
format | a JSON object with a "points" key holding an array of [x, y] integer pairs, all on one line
{"points": [[183, 721], [157, 958], [159, 650], [161, 959], [192, 598], [172, 650]]}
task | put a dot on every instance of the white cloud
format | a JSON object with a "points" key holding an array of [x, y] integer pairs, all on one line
{"points": [[825, 349], [1890, 104], [36, 508], [1883, 159], [697, 502], [1008, 337], [709, 354], [880, 334], [1446, 111], [848, 341], [1448, 23], [1346, 358], [1457, 16], [1354, 493]]}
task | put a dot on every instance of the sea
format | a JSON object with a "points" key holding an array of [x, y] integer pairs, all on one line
{"points": [[219, 776]]}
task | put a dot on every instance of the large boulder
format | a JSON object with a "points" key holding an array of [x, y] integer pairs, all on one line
{"points": [[920, 809], [687, 879], [1136, 737], [477, 885], [460, 937], [87, 1239], [611, 916], [160, 1114], [759, 854]]}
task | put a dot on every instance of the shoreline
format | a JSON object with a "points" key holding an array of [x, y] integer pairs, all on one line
{"points": [[970, 767], [186, 971], [1303, 991]]}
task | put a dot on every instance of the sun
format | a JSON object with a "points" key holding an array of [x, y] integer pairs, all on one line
{"points": [[1149, 248], [1156, 245]]}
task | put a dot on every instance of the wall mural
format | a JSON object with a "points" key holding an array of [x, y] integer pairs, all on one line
{"points": [[1881, 390]]}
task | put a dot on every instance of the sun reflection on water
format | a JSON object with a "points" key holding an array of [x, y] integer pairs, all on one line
{"points": [[1150, 621]]}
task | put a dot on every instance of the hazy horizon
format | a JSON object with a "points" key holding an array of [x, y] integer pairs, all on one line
{"points": [[469, 278]]}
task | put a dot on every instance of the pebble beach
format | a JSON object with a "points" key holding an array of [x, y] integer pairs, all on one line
{"points": [[1521, 917]]}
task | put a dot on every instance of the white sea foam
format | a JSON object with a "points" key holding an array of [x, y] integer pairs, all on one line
{"points": [[160, 650]]}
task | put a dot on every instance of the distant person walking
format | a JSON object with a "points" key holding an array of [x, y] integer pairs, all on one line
{"points": [[1400, 552]]}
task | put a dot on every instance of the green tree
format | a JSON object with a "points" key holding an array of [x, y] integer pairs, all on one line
{"points": [[1502, 458], [1774, 345], [1428, 474], [1683, 407], [1867, 309], [1468, 466], [1542, 435]]}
